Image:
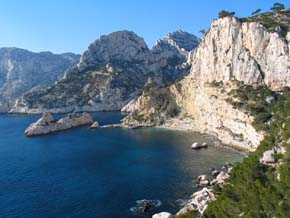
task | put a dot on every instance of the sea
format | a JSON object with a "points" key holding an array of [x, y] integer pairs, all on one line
{"points": [[101, 173]]}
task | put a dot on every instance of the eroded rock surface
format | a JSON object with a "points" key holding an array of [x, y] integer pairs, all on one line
{"points": [[47, 124], [111, 73]]}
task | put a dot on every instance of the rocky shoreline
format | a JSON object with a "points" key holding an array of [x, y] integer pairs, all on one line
{"points": [[200, 199]]}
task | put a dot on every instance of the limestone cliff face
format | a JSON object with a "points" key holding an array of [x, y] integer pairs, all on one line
{"points": [[231, 50], [111, 73], [245, 51], [186, 105], [22, 70]]}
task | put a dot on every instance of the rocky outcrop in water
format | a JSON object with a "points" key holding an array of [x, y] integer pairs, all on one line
{"points": [[47, 124], [111, 73], [95, 125], [22, 70]]}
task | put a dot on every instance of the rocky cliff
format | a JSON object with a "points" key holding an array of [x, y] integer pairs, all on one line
{"points": [[22, 70], [245, 50], [111, 73]]}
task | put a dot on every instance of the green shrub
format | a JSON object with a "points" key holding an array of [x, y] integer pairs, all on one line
{"points": [[254, 189]]}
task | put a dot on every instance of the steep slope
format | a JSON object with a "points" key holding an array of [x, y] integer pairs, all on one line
{"points": [[110, 73], [232, 50], [22, 70], [259, 186], [245, 51]]}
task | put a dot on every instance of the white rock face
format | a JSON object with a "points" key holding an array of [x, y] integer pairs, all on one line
{"points": [[201, 108], [210, 113], [131, 106], [163, 215], [47, 124], [242, 51]]}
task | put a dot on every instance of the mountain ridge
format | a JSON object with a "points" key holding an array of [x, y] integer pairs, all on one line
{"points": [[22, 70], [110, 73]]}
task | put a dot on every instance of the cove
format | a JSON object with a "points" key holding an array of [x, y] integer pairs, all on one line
{"points": [[83, 173]]}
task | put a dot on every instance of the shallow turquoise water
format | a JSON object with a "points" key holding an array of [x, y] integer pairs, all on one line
{"points": [[84, 173]]}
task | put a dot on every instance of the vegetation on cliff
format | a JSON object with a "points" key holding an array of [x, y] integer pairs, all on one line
{"points": [[276, 21], [256, 190]]}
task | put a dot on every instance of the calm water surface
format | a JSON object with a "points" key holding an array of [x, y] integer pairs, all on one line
{"points": [[84, 173]]}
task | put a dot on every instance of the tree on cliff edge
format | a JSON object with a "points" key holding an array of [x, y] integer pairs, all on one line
{"points": [[224, 13], [278, 7], [256, 12]]}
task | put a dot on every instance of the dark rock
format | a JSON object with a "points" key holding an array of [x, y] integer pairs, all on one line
{"points": [[146, 206]]}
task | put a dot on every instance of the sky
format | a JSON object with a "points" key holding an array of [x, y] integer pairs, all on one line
{"points": [[71, 25]]}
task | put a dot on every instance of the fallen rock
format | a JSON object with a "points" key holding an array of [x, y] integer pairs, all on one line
{"points": [[199, 201], [268, 158], [270, 99], [146, 206], [215, 172], [95, 125], [47, 124], [197, 145], [163, 215], [143, 206], [203, 180], [221, 177]]}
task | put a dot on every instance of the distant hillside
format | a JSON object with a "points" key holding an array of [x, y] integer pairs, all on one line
{"points": [[22, 70]]}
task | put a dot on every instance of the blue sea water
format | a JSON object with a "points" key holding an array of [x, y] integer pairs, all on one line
{"points": [[83, 173]]}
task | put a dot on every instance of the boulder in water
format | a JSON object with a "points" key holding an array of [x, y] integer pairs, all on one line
{"points": [[203, 180], [95, 125], [197, 145], [146, 206], [163, 215]]}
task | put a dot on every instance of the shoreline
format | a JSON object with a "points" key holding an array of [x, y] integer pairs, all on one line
{"points": [[181, 127], [240, 150]]}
